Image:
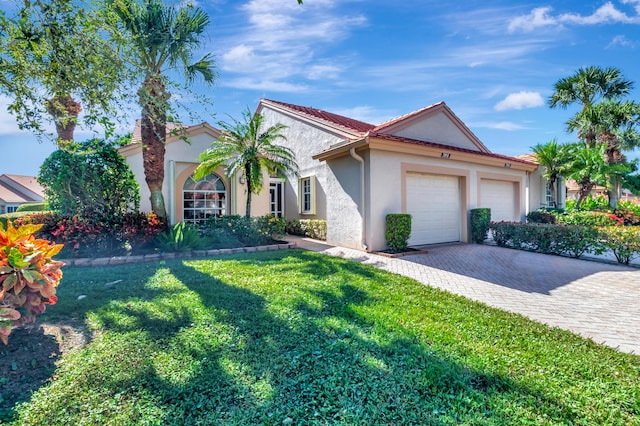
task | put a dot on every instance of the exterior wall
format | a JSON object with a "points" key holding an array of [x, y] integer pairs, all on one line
{"points": [[386, 192], [181, 160], [436, 128], [537, 190], [337, 182]]}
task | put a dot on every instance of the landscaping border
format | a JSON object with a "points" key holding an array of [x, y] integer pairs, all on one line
{"points": [[121, 260]]}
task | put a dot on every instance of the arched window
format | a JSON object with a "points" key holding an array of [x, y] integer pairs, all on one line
{"points": [[203, 199]]}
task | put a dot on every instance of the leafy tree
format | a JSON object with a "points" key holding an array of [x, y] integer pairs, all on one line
{"points": [[614, 124], [247, 149], [553, 157], [588, 167], [588, 86], [55, 62], [158, 39], [90, 176]]}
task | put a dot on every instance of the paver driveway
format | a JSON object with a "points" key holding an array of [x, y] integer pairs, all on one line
{"points": [[596, 300]]}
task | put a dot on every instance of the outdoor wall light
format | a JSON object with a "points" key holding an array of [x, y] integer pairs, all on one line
{"points": [[507, 165], [445, 155], [242, 179]]}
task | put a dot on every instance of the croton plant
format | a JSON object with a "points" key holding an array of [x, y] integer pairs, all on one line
{"points": [[28, 276]]}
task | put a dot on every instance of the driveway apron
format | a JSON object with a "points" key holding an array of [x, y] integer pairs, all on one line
{"points": [[597, 300]]}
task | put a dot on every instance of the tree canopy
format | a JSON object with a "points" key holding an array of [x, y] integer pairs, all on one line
{"points": [[56, 63], [246, 148]]}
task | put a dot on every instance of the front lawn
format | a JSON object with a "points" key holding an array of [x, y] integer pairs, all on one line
{"points": [[294, 337]]}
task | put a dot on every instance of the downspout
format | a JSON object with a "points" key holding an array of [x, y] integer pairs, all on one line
{"points": [[360, 160], [172, 192], [526, 194]]}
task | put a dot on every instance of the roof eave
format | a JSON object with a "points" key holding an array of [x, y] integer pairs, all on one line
{"points": [[340, 150]]}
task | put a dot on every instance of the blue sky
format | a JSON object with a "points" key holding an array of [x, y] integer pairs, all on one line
{"points": [[493, 62]]}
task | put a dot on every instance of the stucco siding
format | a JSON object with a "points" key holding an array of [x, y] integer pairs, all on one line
{"points": [[387, 185], [183, 157], [436, 128], [336, 182]]}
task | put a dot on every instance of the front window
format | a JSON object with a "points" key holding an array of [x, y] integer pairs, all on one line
{"points": [[12, 209], [204, 199], [306, 196]]}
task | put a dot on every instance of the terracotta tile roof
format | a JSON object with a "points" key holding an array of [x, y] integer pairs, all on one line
{"points": [[532, 158], [444, 147], [339, 120]]}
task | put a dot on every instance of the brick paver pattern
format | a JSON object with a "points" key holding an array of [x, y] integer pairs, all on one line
{"points": [[597, 300]]}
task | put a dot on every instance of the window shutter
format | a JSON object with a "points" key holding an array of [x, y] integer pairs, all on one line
{"points": [[312, 181], [300, 196]]}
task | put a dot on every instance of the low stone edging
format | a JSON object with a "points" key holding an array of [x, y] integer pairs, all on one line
{"points": [[121, 260]]}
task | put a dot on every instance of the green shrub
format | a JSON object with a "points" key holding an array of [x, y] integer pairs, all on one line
{"points": [[591, 218], [244, 231], [33, 207], [590, 203], [571, 240], [480, 220], [624, 242], [93, 236], [312, 228], [541, 216], [397, 231], [6, 217], [181, 237], [89, 176]]}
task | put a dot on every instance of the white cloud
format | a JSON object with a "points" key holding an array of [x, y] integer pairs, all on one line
{"points": [[366, 114], [621, 40], [284, 43], [608, 13], [501, 125], [520, 100], [538, 17]]}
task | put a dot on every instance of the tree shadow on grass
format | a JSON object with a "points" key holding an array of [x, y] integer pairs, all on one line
{"points": [[232, 355]]}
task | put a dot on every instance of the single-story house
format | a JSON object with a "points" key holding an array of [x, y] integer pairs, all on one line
{"points": [[352, 174], [16, 190]]}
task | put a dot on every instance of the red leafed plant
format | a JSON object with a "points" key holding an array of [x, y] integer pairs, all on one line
{"points": [[28, 276]]}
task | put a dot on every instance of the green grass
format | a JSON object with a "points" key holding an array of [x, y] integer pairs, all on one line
{"points": [[293, 337]]}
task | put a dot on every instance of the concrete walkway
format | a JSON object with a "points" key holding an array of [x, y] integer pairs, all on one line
{"points": [[596, 300]]}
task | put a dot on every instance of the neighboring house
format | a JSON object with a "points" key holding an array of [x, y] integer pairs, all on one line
{"points": [[573, 188], [352, 174], [16, 190]]}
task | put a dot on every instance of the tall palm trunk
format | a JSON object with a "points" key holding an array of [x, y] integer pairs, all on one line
{"points": [[154, 101], [64, 110], [614, 156], [247, 173]]}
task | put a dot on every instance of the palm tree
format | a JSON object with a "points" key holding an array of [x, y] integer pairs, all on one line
{"points": [[551, 156], [161, 38], [589, 86], [588, 167], [613, 122], [246, 149]]}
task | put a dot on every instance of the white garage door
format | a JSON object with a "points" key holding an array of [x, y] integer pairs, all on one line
{"points": [[499, 196], [433, 201]]}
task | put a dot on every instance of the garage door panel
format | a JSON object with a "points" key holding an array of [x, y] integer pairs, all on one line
{"points": [[434, 204], [500, 197]]}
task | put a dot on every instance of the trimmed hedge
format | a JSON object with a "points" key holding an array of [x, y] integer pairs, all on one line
{"points": [[397, 231], [33, 207], [480, 220], [541, 216], [570, 240], [312, 228]]}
